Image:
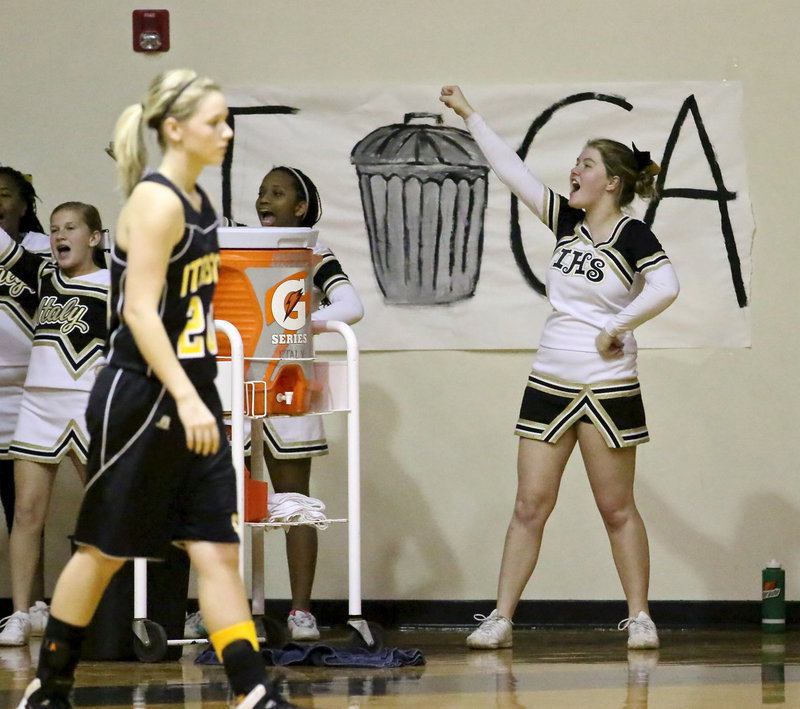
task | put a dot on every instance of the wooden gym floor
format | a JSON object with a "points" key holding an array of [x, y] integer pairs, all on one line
{"points": [[546, 669]]}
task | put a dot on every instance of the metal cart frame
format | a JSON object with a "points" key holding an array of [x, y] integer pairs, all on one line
{"points": [[341, 394]]}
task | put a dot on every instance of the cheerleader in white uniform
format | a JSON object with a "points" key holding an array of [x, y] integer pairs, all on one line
{"points": [[608, 275], [69, 339], [288, 198], [17, 306]]}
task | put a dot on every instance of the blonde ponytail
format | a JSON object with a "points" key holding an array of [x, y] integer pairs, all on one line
{"points": [[129, 148]]}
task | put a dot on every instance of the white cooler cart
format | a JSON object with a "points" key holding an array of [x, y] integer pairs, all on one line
{"points": [[340, 393], [339, 380]]}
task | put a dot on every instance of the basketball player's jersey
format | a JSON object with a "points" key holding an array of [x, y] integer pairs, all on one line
{"points": [[17, 308], [185, 303], [589, 282]]}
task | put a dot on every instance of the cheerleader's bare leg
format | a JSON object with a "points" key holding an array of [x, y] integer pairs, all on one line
{"points": [[292, 475], [611, 475], [34, 485], [540, 466]]}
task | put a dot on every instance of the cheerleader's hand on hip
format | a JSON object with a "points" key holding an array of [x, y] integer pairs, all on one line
{"points": [[452, 97], [199, 424], [608, 346]]}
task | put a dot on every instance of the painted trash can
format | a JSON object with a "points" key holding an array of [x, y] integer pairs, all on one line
{"points": [[423, 190]]}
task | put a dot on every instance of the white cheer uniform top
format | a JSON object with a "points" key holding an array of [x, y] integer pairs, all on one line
{"points": [[70, 320], [615, 285], [18, 303]]}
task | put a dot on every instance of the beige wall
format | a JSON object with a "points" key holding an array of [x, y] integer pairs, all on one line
{"points": [[718, 486]]}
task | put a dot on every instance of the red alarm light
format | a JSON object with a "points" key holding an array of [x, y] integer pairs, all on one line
{"points": [[151, 30]]}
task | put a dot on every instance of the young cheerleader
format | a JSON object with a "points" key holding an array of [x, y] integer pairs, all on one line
{"points": [[584, 386], [288, 198], [160, 470], [69, 338], [17, 306]]}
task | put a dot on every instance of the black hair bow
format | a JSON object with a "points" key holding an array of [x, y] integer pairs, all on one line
{"points": [[642, 157]]}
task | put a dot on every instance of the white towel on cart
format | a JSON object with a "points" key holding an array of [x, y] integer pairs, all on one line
{"points": [[287, 507]]}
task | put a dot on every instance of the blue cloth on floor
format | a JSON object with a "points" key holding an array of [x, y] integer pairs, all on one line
{"points": [[322, 655]]}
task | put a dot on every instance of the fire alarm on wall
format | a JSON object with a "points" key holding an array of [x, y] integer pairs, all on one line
{"points": [[151, 30]]}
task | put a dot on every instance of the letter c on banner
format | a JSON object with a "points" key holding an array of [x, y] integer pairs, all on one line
{"points": [[542, 119]]}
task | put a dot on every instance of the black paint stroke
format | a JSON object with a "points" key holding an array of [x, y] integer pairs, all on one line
{"points": [[721, 195], [227, 163], [541, 120]]}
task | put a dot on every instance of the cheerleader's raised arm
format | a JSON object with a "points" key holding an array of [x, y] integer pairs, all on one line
{"points": [[505, 163]]}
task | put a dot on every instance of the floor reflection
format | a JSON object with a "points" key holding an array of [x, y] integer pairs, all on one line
{"points": [[641, 664], [773, 668], [545, 670]]}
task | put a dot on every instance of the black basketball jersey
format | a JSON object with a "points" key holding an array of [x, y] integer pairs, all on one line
{"points": [[185, 305]]}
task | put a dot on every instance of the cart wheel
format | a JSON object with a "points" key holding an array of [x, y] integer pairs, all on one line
{"points": [[378, 637], [276, 632], [155, 648]]}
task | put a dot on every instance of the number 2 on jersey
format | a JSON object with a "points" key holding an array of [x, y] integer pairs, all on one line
{"points": [[199, 336]]}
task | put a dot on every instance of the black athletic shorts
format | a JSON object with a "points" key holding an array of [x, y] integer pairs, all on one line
{"points": [[145, 488]]}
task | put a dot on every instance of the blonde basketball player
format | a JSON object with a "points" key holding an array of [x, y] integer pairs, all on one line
{"points": [[160, 469]]}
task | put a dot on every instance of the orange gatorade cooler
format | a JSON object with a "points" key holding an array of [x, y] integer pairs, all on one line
{"points": [[264, 290]]}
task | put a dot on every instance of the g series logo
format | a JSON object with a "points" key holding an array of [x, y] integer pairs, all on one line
{"points": [[287, 303]]}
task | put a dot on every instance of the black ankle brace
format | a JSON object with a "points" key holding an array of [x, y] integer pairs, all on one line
{"points": [[59, 656], [244, 666]]}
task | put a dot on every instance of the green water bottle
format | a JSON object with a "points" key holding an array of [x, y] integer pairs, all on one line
{"points": [[773, 598]]}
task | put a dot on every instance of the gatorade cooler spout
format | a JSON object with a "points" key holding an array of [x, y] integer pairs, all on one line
{"points": [[264, 290]]}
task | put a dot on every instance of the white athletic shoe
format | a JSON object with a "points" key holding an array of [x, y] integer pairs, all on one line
{"points": [[39, 613], [16, 629], [642, 633], [302, 626], [193, 627], [493, 632]]}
